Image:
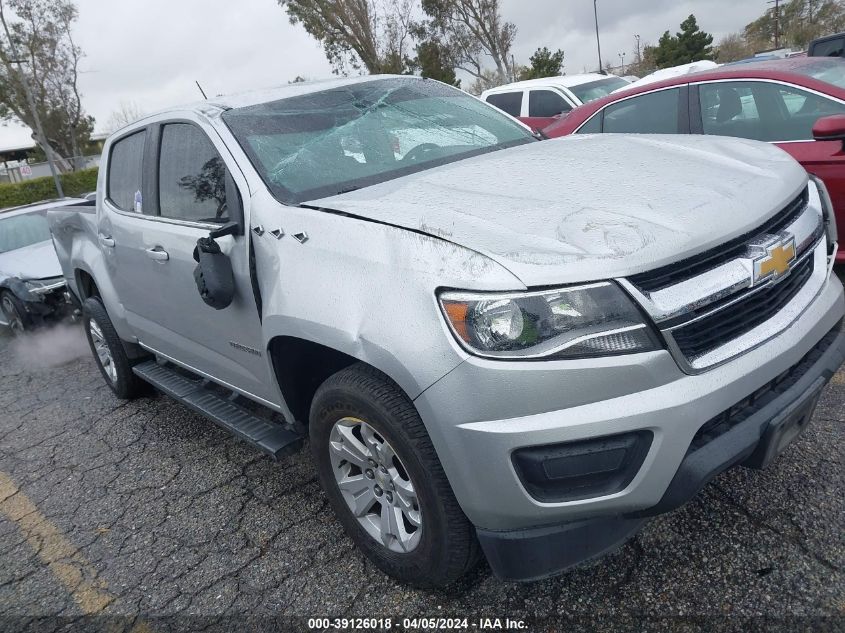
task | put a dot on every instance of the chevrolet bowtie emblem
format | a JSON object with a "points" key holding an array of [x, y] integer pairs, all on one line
{"points": [[776, 260]]}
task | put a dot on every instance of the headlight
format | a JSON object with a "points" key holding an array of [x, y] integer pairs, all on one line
{"points": [[43, 286], [591, 320], [827, 209]]}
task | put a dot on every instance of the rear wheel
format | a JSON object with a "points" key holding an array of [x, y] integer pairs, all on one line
{"points": [[108, 351], [385, 482], [14, 313]]}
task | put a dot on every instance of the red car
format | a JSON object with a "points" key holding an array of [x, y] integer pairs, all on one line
{"points": [[797, 104]]}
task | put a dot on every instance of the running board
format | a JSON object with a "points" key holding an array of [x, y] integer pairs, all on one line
{"points": [[272, 438]]}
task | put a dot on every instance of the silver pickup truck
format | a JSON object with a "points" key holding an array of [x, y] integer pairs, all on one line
{"points": [[495, 344]]}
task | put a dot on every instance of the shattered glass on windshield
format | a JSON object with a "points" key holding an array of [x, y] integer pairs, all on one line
{"points": [[339, 140]]}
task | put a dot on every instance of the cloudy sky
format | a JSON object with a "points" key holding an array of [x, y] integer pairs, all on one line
{"points": [[150, 52]]}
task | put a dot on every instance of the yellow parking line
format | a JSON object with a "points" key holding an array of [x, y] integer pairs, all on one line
{"points": [[838, 378], [60, 555]]}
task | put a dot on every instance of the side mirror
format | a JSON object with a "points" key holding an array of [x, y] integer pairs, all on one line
{"points": [[830, 128], [213, 275]]}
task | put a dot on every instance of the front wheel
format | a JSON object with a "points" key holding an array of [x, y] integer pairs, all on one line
{"points": [[14, 313], [108, 351], [385, 482]]}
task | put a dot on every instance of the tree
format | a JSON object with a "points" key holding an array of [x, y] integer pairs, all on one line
{"points": [[472, 31], [435, 62], [374, 34], [127, 113], [733, 47], [647, 63], [49, 59], [544, 63], [798, 22], [689, 45]]}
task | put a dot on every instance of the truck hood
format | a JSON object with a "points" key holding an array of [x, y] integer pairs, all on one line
{"points": [[37, 261], [581, 208]]}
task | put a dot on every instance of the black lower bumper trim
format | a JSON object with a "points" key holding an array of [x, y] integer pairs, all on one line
{"points": [[537, 553]]}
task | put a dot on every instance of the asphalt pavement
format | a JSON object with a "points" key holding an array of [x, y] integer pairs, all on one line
{"points": [[143, 516]]}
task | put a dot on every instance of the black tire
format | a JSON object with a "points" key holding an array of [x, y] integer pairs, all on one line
{"points": [[15, 313], [447, 547], [125, 384]]}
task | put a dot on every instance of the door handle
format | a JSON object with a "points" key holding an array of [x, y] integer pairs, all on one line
{"points": [[158, 253], [107, 241]]}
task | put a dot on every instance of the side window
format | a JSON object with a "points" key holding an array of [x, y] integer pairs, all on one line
{"points": [[592, 126], [508, 102], [191, 176], [124, 179], [546, 103], [763, 111], [653, 113]]}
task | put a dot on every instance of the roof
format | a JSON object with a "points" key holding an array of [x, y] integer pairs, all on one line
{"points": [[567, 81]]}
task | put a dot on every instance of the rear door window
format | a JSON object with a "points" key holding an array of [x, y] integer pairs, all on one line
{"points": [[652, 113], [507, 102], [762, 111], [192, 176], [125, 167], [546, 103]]}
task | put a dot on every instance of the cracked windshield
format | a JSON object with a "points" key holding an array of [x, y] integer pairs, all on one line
{"points": [[339, 140]]}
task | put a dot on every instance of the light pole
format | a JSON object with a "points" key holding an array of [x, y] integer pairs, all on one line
{"points": [[598, 41], [622, 57], [639, 54], [39, 131]]}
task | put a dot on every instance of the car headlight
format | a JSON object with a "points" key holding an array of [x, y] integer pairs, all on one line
{"points": [[43, 286], [591, 320], [827, 209]]}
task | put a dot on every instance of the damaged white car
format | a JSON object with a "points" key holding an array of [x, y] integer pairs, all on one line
{"points": [[32, 289]]}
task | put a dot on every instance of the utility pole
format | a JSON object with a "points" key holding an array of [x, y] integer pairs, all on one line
{"points": [[598, 41], [39, 130], [639, 54], [777, 21]]}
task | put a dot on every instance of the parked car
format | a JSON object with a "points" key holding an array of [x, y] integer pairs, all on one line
{"points": [[485, 349], [786, 102], [32, 289], [538, 102], [828, 46]]}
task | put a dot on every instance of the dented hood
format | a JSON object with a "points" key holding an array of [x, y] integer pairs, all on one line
{"points": [[582, 208]]}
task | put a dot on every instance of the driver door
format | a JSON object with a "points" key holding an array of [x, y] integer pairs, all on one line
{"points": [[186, 182]]}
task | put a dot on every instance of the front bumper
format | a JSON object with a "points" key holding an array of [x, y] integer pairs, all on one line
{"points": [[535, 553]]}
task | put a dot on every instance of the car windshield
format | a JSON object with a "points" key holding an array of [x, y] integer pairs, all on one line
{"points": [[341, 139], [830, 71], [597, 89], [23, 230]]}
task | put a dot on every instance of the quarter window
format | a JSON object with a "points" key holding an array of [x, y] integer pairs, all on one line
{"points": [[653, 113], [192, 176], [507, 102], [546, 103], [762, 111], [125, 164]]}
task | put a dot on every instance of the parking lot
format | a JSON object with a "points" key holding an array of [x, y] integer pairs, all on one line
{"points": [[145, 517]]}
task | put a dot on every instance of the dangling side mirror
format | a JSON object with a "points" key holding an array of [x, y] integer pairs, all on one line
{"points": [[213, 275]]}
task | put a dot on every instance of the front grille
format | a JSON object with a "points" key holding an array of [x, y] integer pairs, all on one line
{"points": [[683, 270], [747, 407], [710, 332]]}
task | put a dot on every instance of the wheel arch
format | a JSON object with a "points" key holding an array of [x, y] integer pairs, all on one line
{"points": [[301, 365]]}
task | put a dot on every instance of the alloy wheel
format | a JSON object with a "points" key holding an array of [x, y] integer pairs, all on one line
{"points": [[13, 317], [101, 348], [375, 485]]}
